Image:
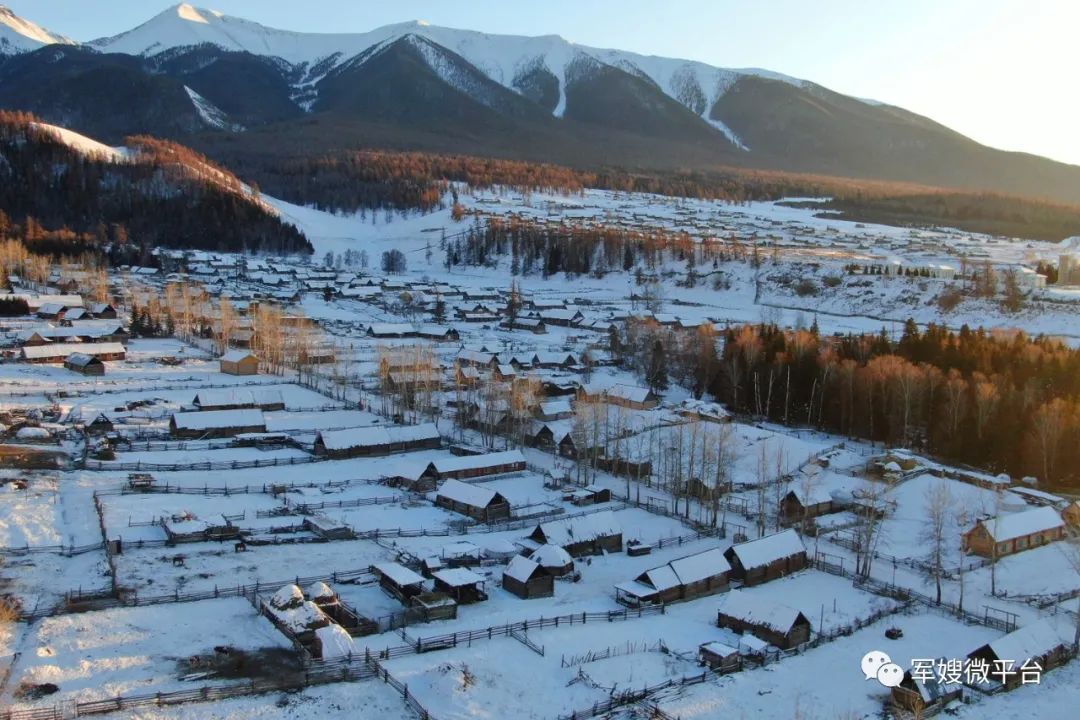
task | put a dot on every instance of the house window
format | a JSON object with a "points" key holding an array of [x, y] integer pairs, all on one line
{"points": [[1021, 543], [1000, 548]]}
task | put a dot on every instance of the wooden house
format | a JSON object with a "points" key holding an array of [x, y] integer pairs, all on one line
{"points": [[103, 311], [399, 581], [57, 353], [767, 558], [239, 399], [777, 624], [466, 376], [327, 528], [84, 364], [804, 503], [461, 584], [533, 325], [561, 317], [239, 362], [526, 579], [475, 501], [554, 410], [216, 423], [694, 576], [1038, 643], [592, 534], [719, 657], [1015, 532], [100, 425], [51, 311], [627, 396], [924, 697], [376, 440], [462, 467], [476, 358]]}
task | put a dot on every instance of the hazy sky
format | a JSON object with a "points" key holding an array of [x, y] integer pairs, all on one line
{"points": [[999, 71]]}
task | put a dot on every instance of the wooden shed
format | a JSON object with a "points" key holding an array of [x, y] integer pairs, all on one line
{"points": [[553, 560], [1037, 643], [767, 558], [399, 581], [239, 362], [473, 466], [924, 697], [475, 501], [804, 503], [376, 440], [462, 584], [583, 535], [84, 364], [216, 423], [719, 657], [777, 624], [100, 425], [526, 579]]}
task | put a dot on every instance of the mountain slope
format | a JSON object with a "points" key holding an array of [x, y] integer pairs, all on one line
{"points": [[162, 193], [18, 35]]}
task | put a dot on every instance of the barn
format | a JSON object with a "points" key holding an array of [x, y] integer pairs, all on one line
{"points": [[583, 535], [101, 425], [627, 396], [474, 501], [239, 362], [925, 697], [474, 466], [777, 624], [216, 423], [57, 353], [84, 364], [1008, 534], [376, 440], [399, 581], [767, 558], [694, 576], [526, 579], [1037, 643]]}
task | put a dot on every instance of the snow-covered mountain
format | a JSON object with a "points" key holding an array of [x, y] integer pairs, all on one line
{"points": [[506, 59], [18, 35]]}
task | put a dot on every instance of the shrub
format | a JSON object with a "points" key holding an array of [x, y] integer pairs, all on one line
{"points": [[832, 281], [806, 288]]}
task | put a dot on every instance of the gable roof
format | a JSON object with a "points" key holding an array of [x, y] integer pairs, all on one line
{"points": [[211, 419], [768, 549], [399, 574], [1030, 641], [377, 435], [62, 350], [757, 610], [583, 528], [1027, 522], [521, 568], [687, 570], [466, 494], [238, 355]]}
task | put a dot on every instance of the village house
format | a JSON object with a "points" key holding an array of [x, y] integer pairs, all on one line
{"points": [[51, 311], [58, 353], [84, 364], [103, 311], [592, 534], [1037, 643], [777, 624], [694, 576], [476, 358], [556, 360], [100, 425], [925, 696], [376, 440], [553, 560], [399, 581], [526, 579], [767, 558], [628, 396], [474, 466], [560, 317], [554, 410], [719, 657], [533, 325], [475, 501], [239, 362], [1008, 534], [461, 584], [238, 399], [216, 423]]}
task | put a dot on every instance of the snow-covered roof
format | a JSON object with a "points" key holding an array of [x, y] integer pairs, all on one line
{"points": [[1008, 527], [458, 577], [391, 329], [399, 574], [686, 570], [466, 494], [80, 359], [335, 642], [630, 393], [1028, 642], [210, 419], [521, 568], [758, 610], [556, 407], [288, 596], [377, 435], [768, 549], [237, 355], [814, 495], [320, 591], [457, 463], [238, 396], [62, 350], [583, 528], [551, 556], [719, 648]]}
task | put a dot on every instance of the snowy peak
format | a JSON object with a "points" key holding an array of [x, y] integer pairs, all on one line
{"points": [[18, 35]]}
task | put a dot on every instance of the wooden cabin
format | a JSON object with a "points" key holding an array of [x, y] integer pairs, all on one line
{"points": [[767, 558], [103, 311], [804, 503], [1038, 643], [239, 399], [526, 579], [1015, 532], [462, 467], [399, 581], [719, 657], [777, 624], [583, 535], [627, 396], [376, 440], [924, 697], [553, 560], [239, 362], [461, 584], [216, 423], [57, 353], [475, 501], [694, 576], [84, 364], [100, 425]]}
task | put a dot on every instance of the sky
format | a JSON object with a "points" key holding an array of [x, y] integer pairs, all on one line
{"points": [[999, 71]]}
